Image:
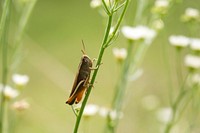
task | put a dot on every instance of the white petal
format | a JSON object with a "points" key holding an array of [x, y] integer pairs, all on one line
{"points": [[21, 105], [138, 33], [90, 110], [195, 44], [180, 41], [164, 115], [191, 12], [20, 79], [95, 3], [192, 61], [162, 3], [120, 53], [9, 92], [104, 111]]}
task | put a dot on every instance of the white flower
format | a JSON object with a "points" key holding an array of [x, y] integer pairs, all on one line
{"points": [[95, 3], [195, 44], [115, 115], [112, 31], [164, 114], [179, 41], [120, 53], [192, 61], [162, 3], [20, 80], [158, 24], [192, 13], [9, 92], [21, 105], [160, 6], [150, 102], [138, 33], [109, 2], [196, 79], [90, 110], [104, 111]]}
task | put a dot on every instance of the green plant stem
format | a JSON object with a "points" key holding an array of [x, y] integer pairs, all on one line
{"points": [[194, 98], [168, 72], [175, 106], [130, 66], [119, 93], [179, 66], [101, 52], [4, 24], [117, 101], [174, 112], [181, 93]]}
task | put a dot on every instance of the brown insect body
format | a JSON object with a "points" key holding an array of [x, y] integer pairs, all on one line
{"points": [[81, 80]]}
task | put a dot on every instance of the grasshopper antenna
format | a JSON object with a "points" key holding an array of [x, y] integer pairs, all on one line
{"points": [[83, 50]]}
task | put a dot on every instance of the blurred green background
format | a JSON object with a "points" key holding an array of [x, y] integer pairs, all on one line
{"points": [[51, 54]]}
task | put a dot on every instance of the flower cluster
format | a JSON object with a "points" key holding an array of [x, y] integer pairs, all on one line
{"points": [[191, 14], [158, 24], [20, 80], [20, 105], [191, 60], [196, 79], [120, 54], [195, 44], [179, 41], [139, 33], [98, 3], [164, 114], [10, 93], [161, 7], [95, 3]]}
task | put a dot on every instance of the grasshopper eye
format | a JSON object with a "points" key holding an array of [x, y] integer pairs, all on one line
{"points": [[84, 60]]}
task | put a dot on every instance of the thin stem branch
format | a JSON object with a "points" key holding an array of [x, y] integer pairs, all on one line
{"points": [[106, 7], [118, 24]]}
